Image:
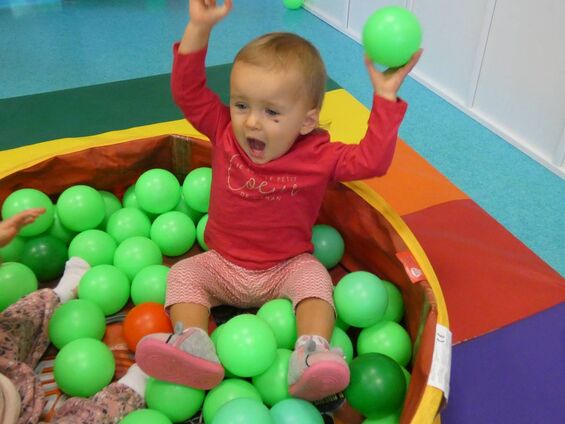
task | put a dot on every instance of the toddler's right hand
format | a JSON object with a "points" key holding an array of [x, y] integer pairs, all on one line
{"points": [[205, 13]]}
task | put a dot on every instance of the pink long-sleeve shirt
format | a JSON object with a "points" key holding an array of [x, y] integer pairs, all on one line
{"points": [[262, 214]]}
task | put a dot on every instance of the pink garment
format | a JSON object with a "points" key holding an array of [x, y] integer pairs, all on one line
{"points": [[23, 340], [263, 214], [209, 279]]}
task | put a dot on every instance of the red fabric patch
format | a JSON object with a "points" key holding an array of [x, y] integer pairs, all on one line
{"points": [[412, 268], [488, 277]]}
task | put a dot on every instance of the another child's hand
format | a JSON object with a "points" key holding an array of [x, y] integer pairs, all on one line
{"points": [[10, 227], [386, 84], [206, 13]]}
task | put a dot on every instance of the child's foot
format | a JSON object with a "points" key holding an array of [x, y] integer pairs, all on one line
{"points": [[75, 268], [188, 358], [315, 371], [135, 379]]}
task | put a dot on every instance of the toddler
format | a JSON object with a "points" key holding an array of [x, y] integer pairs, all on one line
{"points": [[271, 164]]}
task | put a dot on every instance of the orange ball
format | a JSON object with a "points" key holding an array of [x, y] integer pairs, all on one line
{"points": [[145, 318]]}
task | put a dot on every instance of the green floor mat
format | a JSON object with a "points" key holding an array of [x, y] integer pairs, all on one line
{"points": [[96, 109]]}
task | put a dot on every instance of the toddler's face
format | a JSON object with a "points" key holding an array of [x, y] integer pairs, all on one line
{"points": [[268, 110]]}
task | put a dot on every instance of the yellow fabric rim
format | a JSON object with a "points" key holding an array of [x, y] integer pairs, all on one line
{"points": [[428, 411]]}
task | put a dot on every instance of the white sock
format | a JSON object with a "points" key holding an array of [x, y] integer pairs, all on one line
{"points": [[135, 379], [75, 268]]}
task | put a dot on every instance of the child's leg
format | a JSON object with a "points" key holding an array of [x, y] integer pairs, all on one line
{"points": [[315, 316], [29, 389], [315, 370], [187, 357], [24, 337], [23, 327], [109, 405], [190, 315]]}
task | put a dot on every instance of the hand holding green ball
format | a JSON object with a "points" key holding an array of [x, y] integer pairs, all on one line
{"points": [[391, 36]]}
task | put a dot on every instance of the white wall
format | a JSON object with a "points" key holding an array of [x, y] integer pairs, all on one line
{"points": [[500, 61]]}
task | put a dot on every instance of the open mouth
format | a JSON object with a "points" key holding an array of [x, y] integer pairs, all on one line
{"points": [[257, 147]]}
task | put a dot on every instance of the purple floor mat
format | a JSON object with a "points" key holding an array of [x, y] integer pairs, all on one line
{"points": [[514, 375]]}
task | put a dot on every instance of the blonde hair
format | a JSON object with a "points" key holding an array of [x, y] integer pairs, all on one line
{"points": [[284, 50]]}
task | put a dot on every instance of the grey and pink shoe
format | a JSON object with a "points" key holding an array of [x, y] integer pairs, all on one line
{"points": [[315, 371], [187, 358]]}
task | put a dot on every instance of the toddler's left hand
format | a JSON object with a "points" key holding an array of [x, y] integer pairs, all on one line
{"points": [[10, 227], [386, 84]]}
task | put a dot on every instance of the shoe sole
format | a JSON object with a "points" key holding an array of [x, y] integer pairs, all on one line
{"points": [[168, 363], [320, 381]]}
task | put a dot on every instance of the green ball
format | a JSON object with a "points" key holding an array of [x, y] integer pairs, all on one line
{"points": [[174, 233], [187, 210], [407, 377], [128, 222], [178, 403], [243, 411], [16, 281], [150, 285], [94, 246], [247, 346], [12, 252], [293, 4], [395, 308], [231, 388], [339, 323], [74, 320], [341, 339], [157, 191], [106, 286], [145, 416], [360, 299], [129, 200], [216, 334], [272, 385], [391, 36], [200, 229], [111, 205], [28, 198], [136, 253], [45, 256], [196, 188], [328, 245], [83, 367], [58, 230], [279, 314], [388, 338], [81, 208], [295, 411], [393, 418], [377, 386]]}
